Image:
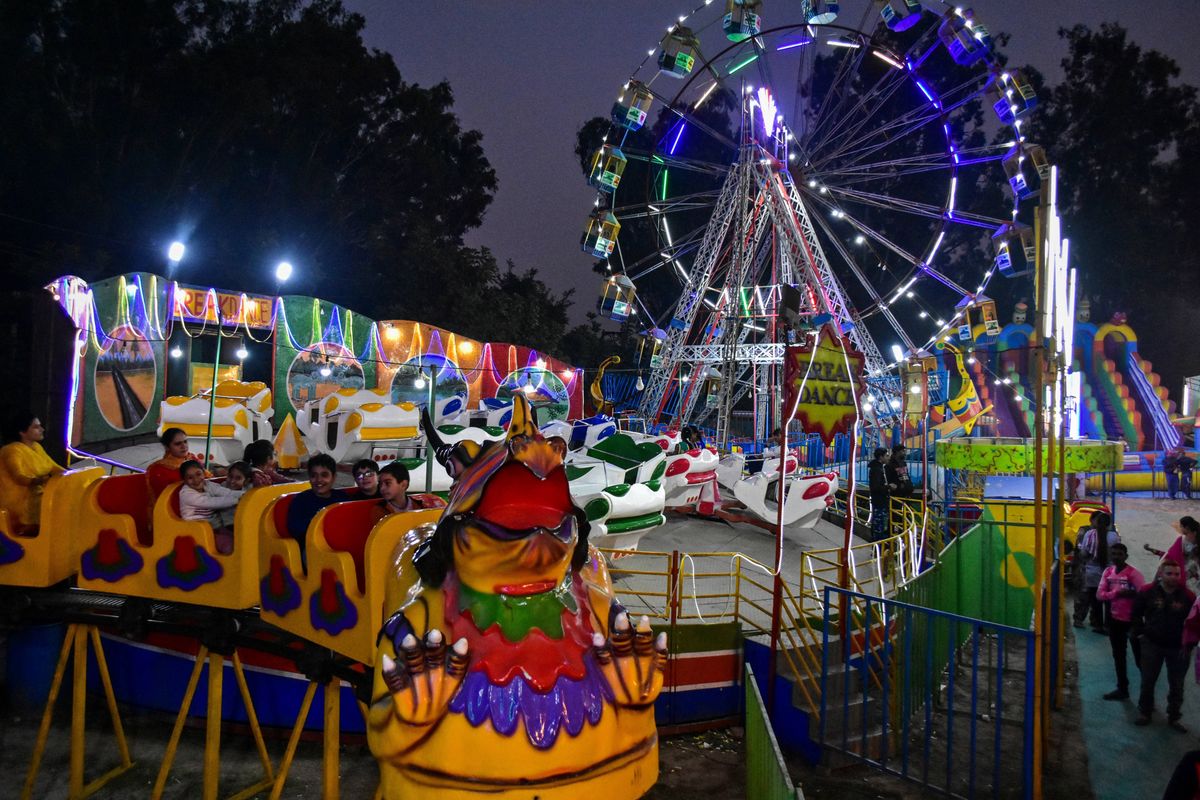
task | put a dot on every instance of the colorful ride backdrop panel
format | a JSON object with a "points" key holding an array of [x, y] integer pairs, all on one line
{"points": [[120, 374], [320, 348], [126, 322], [482, 369], [1016, 456], [125, 378], [320, 371]]}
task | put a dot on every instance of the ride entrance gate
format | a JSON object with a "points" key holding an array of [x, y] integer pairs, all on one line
{"points": [[940, 699]]}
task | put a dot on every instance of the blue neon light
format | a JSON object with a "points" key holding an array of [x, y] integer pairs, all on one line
{"points": [[680, 125]]}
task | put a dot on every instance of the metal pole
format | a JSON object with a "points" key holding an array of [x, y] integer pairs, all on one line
{"points": [[432, 406], [1039, 532], [212, 398], [925, 440], [777, 586]]}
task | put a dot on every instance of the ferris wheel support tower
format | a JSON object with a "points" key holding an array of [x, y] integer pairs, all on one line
{"points": [[760, 233]]}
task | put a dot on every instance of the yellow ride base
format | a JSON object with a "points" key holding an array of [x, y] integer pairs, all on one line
{"points": [[626, 779]]}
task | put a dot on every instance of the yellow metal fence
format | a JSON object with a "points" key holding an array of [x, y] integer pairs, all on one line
{"points": [[681, 587]]}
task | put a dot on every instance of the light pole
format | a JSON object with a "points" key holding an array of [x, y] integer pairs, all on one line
{"points": [[429, 382], [212, 397]]}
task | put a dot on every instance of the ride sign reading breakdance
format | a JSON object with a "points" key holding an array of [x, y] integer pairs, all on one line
{"points": [[823, 380]]}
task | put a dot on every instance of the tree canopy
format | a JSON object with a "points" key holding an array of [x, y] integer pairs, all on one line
{"points": [[254, 132], [1125, 133]]}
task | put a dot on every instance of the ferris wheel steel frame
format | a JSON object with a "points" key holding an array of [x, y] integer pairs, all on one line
{"points": [[760, 194]]}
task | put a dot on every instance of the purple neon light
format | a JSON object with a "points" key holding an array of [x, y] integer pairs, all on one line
{"points": [[793, 45]]}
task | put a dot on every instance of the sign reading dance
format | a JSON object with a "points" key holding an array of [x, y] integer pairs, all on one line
{"points": [[822, 382]]}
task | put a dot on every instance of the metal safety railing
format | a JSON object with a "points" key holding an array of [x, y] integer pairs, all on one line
{"points": [[955, 708], [680, 587]]}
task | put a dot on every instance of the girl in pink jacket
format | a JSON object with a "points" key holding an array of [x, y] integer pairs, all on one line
{"points": [[1119, 584]]}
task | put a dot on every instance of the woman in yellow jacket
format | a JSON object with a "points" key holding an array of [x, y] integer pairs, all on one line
{"points": [[24, 470]]}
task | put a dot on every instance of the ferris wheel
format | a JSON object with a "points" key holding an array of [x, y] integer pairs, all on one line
{"points": [[860, 164]]}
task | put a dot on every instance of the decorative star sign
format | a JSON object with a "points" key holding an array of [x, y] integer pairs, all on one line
{"points": [[823, 381]]}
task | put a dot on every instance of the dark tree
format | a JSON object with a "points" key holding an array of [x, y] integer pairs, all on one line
{"points": [[254, 131], [1125, 133]]}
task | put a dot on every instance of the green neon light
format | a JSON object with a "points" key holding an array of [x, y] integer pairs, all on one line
{"points": [[747, 62]]}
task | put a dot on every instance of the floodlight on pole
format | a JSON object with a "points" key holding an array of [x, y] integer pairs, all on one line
{"points": [[283, 271], [175, 252]]}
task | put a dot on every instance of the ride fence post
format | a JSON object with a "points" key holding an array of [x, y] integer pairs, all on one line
{"points": [[776, 600], [777, 585], [330, 738], [673, 593]]}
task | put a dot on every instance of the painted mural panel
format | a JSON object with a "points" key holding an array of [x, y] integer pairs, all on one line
{"points": [[121, 371], [408, 384], [126, 379], [322, 370]]}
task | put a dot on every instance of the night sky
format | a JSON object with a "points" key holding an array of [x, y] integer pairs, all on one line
{"points": [[528, 74]]}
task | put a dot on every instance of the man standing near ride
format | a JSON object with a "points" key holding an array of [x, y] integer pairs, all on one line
{"points": [[881, 492], [1178, 466], [1159, 612]]}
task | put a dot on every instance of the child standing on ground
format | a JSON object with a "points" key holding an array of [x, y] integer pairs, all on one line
{"points": [[1119, 585]]}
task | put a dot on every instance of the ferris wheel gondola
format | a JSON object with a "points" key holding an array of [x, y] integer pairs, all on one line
{"points": [[763, 145]]}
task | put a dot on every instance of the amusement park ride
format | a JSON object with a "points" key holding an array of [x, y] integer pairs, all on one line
{"points": [[801, 175]]}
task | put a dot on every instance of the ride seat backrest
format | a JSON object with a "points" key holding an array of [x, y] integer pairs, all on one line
{"points": [[279, 514], [346, 527], [128, 494], [623, 452]]}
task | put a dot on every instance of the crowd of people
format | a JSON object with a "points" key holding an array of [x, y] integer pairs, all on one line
{"points": [[207, 494], [887, 477], [1155, 618], [203, 499]]}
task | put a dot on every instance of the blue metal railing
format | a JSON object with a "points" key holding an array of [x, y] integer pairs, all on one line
{"points": [[922, 695]]}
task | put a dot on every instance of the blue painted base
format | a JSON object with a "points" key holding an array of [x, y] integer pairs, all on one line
{"points": [[793, 727]]}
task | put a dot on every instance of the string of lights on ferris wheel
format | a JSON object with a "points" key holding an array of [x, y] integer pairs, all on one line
{"points": [[864, 234]]}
